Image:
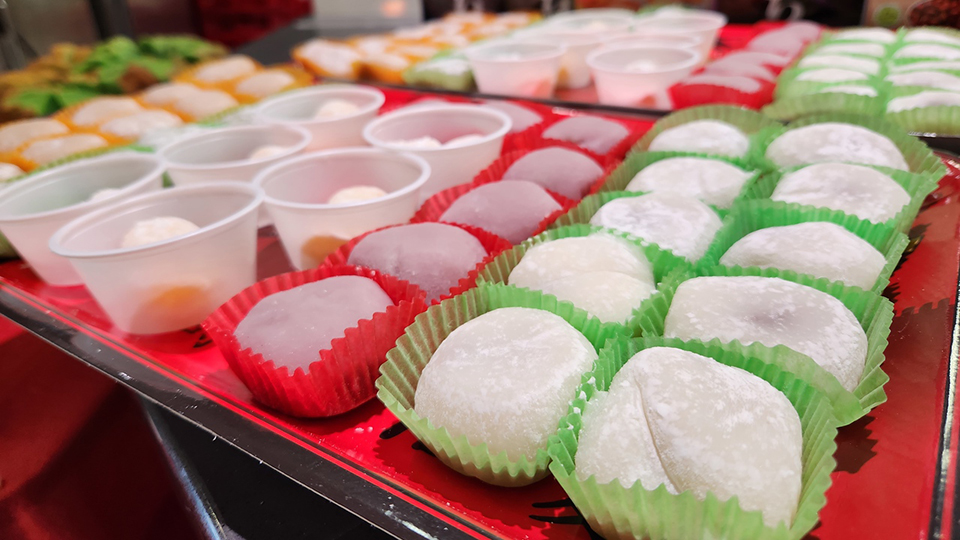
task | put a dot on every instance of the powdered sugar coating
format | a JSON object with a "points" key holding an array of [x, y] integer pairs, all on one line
{"points": [[681, 224], [773, 312], [863, 65], [865, 49], [930, 35], [928, 65], [834, 142], [608, 296], [135, 125], [704, 136], [740, 83], [931, 79], [818, 248], [877, 35], [924, 99], [505, 379], [561, 170], [832, 75], [924, 50], [594, 134], [741, 69], [712, 181], [853, 189], [570, 257], [510, 209], [292, 327], [432, 256], [521, 116], [265, 83], [100, 109], [854, 89], [228, 68]]}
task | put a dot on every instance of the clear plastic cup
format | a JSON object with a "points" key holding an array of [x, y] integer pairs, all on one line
{"points": [[594, 12], [297, 192], [516, 68], [660, 40], [34, 208], [584, 22], [449, 166], [574, 71], [705, 25], [298, 108], [224, 154], [176, 283], [619, 84]]}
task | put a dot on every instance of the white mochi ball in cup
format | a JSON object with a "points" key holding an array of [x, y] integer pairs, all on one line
{"points": [[334, 114], [298, 196], [462, 140], [625, 75], [177, 282], [33, 209], [516, 68]]}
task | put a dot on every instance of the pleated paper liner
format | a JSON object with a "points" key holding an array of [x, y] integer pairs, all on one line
{"points": [[916, 153], [397, 385], [755, 215], [621, 177], [189, 76], [874, 312], [497, 269], [492, 243], [791, 108], [301, 79], [617, 511], [685, 95], [343, 375], [918, 186], [937, 119]]}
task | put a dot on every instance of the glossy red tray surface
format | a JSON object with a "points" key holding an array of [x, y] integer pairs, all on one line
{"points": [[891, 481]]}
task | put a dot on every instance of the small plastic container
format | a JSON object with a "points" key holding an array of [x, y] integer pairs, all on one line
{"points": [[658, 40], [224, 154], [449, 166], [33, 209], [299, 107], [705, 25], [574, 71], [588, 22], [516, 68], [176, 283], [297, 191], [618, 85]]}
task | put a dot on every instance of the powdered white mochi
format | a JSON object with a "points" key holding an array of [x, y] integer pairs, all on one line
{"points": [[932, 79], [574, 256], [335, 58], [681, 224], [854, 89], [863, 65], [8, 171], [227, 69], [46, 150], [510, 209], [753, 57], [608, 296], [168, 93], [478, 382], [780, 42], [432, 256], [819, 248], [877, 35], [924, 99], [291, 327], [335, 107], [564, 171], [14, 134], [924, 50], [138, 124], [747, 85], [931, 36], [155, 230], [100, 109], [741, 69], [834, 142], [356, 194], [521, 117], [203, 103], [865, 49], [712, 181], [853, 189], [677, 418], [265, 83], [773, 312], [929, 65], [706, 136], [594, 134], [267, 151], [831, 75]]}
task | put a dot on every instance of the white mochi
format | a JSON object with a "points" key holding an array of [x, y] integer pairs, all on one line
{"points": [[831, 75], [14, 134], [680, 224], [932, 79], [834, 142], [712, 181], [753, 57], [924, 99], [100, 109], [928, 65], [818, 248], [521, 116], [597, 135], [741, 69], [608, 296], [771, 311], [8, 171], [564, 171], [853, 189], [863, 65], [479, 382], [877, 35], [267, 151], [44, 151], [747, 85], [510, 209], [138, 124], [865, 49], [204, 103], [229, 68], [156, 229], [418, 143], [168, 93], [334, 58], [464, 140], [355, 194], [292, 327], [931, 35], [265, 83], [335, 107], [923, 50], [706, 136], [853, 89], [571, 257], [780, 42]]}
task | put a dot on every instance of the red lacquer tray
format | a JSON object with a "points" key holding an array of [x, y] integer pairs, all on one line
{"points": [[896, 467]]}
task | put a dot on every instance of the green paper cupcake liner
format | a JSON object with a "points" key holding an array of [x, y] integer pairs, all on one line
{"points": [[397, 384], [662, 261], [916, 153], [755, 215], [618, 511], [936, 120], [637, 161], [918, 186], [874, 312], [793, 107], [748, 121]]}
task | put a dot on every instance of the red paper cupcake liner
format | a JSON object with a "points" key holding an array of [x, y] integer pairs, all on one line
{"points": [[343, 376], [694, 95], [493, 244]]}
